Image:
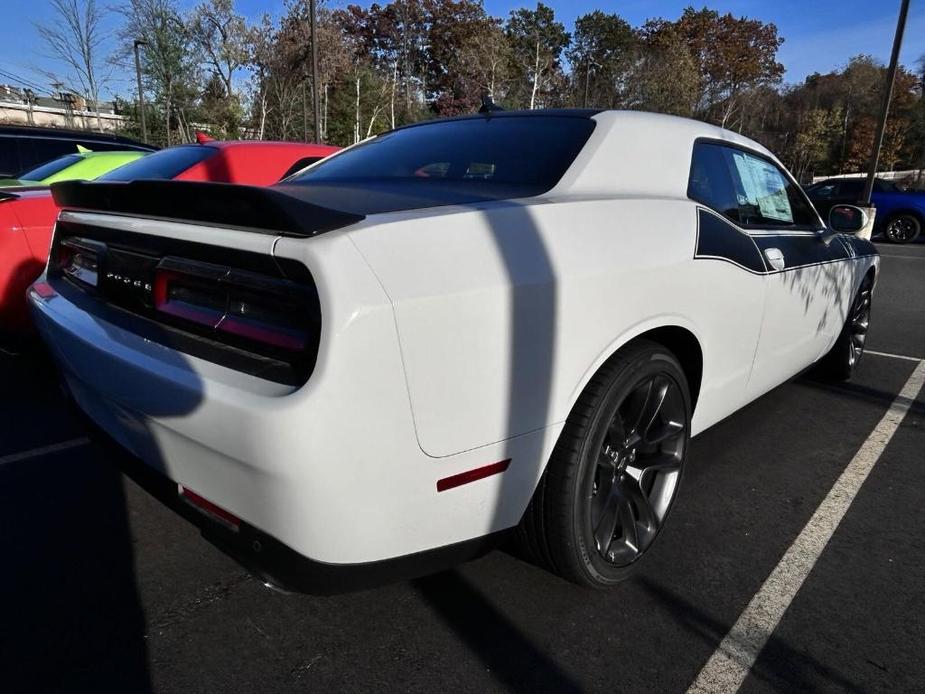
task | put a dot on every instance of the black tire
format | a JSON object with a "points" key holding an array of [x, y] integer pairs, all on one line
{"points": [[632, 418], [840, 361], [902, 228]]}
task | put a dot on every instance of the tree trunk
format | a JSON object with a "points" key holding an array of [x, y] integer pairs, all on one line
{"points": [[167, 113], [356, 122], [536, 77], [263, 115], [324, 113], [392, 97]]}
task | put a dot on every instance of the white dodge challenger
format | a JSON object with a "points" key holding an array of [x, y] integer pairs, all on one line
{"points": [[458, 328]]}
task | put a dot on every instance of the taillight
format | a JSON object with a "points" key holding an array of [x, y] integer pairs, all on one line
{"points": [[79, 259], [250, 307]]}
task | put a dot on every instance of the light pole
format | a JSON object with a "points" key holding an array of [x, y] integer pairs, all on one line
{"points": [[141, 94], [315, 110], [885, 107]]}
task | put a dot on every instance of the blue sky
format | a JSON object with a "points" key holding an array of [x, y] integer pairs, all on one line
{"points": [[820, 35]]}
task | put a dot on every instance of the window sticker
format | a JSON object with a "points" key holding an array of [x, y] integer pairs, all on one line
{"points": [[764, 188]]}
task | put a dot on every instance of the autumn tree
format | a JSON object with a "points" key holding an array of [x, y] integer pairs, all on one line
{"points": [[602, 53], [665, 79], [537, 42], [732, 54]]}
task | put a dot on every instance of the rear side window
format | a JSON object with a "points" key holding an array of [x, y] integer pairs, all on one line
{"points": [[166, 164], [49, 169], [746, 188], [532, 152]]}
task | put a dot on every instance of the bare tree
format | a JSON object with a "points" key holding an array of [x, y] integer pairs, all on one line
{"points": [[222, 36], [74, 36]]}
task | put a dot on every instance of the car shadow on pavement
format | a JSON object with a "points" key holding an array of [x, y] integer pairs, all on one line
{"points": [[70, 615], [855, 390], [780, 665], [504, 650]]}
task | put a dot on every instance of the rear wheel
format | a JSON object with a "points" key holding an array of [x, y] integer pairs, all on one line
{"points": [[902, 228], [615, 471], [848, 349]]}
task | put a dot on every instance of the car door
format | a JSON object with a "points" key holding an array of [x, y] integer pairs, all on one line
{"points": [[778, 237], [809, 281]]}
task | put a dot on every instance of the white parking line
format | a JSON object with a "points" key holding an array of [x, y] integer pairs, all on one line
{"points": [[44, 450], [729, 665], [892, 356]]}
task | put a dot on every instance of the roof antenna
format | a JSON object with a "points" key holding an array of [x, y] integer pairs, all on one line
{"points": [[488, 104]]}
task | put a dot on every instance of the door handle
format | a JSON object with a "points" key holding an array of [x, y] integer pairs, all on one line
{"points": [[775, 258]]}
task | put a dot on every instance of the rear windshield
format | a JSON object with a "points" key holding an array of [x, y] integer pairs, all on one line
{"points": [[521, 155], [166, 164], [49, 168]]}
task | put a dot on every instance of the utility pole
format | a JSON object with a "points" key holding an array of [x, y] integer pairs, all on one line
{"points": [[885, 107], [141, 94], [315, 110]]}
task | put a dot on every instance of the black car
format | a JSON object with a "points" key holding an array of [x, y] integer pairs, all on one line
{"points": [[23, 146]]}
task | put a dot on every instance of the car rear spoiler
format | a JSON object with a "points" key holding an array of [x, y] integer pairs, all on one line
{"points": [[263, 210]]}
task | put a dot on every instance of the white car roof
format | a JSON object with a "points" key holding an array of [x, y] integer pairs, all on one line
{"points": [[640, 154]]}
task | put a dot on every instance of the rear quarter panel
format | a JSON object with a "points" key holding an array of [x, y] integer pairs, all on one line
{"points": [[505, 311]]}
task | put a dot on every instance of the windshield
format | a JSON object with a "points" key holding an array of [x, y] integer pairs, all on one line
{"points": [[50, 168], [166, 164], [531, 152]]}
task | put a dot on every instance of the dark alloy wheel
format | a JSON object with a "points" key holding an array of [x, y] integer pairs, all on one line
{"points": [[615, 471], [848, 349], [903, 228], [638, 467]]}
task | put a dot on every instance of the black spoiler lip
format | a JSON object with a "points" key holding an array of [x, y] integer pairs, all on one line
{"points": [[252, 208]]}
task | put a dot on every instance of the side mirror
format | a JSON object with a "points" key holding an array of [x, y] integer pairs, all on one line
{"points": [[847, 219]]}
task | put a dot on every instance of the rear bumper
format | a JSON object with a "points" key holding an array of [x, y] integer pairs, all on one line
{"points": [[274, 562], [330, 475]]}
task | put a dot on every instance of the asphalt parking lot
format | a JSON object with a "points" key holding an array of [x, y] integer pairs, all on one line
{"points": [[104, 590]]}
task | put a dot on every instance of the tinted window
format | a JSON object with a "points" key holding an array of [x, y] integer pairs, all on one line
{"points": [[35, 150], [9, 157], [49, 169], [823, 190], [851, 188], [166, 164], [299, 165], [710, 182], [746, 188], [529, 152]]}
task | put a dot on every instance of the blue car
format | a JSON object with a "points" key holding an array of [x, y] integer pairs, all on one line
{"points": [[900, 213]]}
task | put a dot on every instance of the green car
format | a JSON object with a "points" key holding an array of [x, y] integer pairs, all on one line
{"points": [[84, 165]]}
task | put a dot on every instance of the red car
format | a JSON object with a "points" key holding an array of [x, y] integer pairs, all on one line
{"points": [[27, 216]]}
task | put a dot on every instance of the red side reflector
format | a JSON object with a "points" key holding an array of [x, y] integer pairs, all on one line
{"points": [[43, 290], [472, 475], [205, 506]]}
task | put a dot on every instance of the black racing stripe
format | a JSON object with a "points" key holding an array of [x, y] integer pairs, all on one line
{"points": [[717, 239], [862, 247], [800, 251]]}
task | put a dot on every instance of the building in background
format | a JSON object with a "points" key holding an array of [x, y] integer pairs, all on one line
{"points": [[20, 106]]}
